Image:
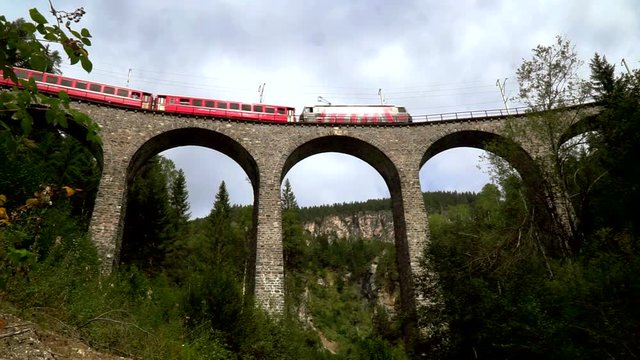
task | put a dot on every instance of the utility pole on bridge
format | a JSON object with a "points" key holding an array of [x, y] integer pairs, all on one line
{"points": [[501, 87]]}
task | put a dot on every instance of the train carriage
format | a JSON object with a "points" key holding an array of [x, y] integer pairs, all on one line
{"points": [[224, 108], [81, 89]]}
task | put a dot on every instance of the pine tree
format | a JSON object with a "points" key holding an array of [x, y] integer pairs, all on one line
{"points": [[177, 247], [294, 245], [288, 199], [226, 245], [147, 224], [618, 143], [221, 206], [168, 168], [179, 199]]}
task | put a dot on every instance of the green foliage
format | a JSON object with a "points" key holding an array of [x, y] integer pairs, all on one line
{"points": [[131, 314], [19, 47], [42, 58], [179, 199], [47, 158], [618, 143], [288, 198], [147, 223], [221, 206], [334, 284], [226, 243], [506, 297], [549, 80], [435, 201], [318, 212], [294, 241]]}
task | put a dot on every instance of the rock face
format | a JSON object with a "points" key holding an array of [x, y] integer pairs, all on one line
{"points": [[369, 225]]}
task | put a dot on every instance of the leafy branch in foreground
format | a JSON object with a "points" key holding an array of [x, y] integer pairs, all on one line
{"points": [[20, 47]]}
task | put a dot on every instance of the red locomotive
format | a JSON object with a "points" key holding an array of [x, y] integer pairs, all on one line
{"points": [[125, 97]]}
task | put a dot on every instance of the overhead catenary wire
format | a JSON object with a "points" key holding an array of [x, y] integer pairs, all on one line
{"points": [[195, 85]]}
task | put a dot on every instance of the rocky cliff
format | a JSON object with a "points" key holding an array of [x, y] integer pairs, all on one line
{"points": [[364, 224]]}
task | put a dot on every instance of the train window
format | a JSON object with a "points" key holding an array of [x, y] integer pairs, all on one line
{"points": [[401, 109], [258, 108], [36, 77], [246, 107], [208, 103], [197, 102], [52, 79], [109, 90], [281, 111], [172, 100], [94, 87], [65, 82], [270, 110], [81, 85], [222, 105], [123, 92], [234, 106], [21, 74], [184, 101]]}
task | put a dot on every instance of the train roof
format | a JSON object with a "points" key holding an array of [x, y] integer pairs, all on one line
{"points": [[227, 100], [352, 105], [15, 68]]}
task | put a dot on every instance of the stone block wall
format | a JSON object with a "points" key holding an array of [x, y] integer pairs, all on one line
{"points": [[266, 151]]}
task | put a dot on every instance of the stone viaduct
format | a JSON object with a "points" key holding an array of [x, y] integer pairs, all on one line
{"points": [[266, 151]]}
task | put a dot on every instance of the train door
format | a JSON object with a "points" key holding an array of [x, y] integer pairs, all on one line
{"points": [[146, 100], [291, 115], [160, 102]]}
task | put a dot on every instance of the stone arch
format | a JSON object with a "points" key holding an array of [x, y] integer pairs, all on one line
{"points": [[580, 127], [346, 145], [507, 149], [376, 158], [198, 137], [75, 130], [537, 189]]}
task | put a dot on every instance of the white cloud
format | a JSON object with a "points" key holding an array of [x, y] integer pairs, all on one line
{"points": [[457, 169]]}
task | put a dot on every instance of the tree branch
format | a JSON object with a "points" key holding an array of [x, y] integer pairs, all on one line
{"points": [[2, 336]]}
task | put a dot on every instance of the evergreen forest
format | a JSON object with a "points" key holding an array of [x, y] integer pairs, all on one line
{"points": [[505, 285]]}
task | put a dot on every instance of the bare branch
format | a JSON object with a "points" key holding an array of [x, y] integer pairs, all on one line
{"points": [[114, 321], [2, 336]]}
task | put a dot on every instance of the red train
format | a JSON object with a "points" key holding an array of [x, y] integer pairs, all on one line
{"points": [[132, 98]]}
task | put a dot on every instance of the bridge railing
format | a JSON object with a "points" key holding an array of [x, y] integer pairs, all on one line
{"points": [[473, 114], [479, 114]]}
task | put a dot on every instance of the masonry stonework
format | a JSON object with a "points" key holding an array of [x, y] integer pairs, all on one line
{"points": [[266, 151]]}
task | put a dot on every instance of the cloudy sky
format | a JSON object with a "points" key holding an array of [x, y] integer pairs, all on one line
{"points": [[430, 56]]}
